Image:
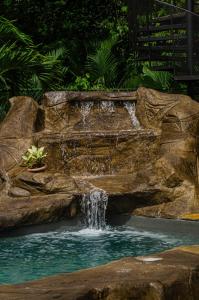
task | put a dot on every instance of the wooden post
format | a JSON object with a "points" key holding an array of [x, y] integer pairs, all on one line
{"points": [[190, 36]]}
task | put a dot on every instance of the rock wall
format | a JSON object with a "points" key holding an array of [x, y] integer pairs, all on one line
{"points": [[151, 169], [176, 117], [100, 154], [16, 131], [64, 111]]}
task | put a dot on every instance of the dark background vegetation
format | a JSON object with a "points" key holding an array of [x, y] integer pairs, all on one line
{"points": [[65, 44]]}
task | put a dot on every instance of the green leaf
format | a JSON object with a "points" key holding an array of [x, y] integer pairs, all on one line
{"points": [[102, 65]]}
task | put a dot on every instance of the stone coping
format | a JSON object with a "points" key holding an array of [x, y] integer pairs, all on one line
{"points": [[170, 275], [55, 98], [191, 217], [72, 134]]}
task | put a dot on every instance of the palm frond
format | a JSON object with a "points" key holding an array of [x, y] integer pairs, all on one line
{"points": [[102, 65], [12, 57], [23, 69], [161, 79], [8, 31], [58, 53]]}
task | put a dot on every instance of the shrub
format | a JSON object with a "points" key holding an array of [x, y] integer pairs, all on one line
{"points": [[34, 157]]}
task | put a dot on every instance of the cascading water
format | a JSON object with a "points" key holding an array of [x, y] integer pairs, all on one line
{"points": [[94, 206], [85, 108], [130, 107], [107, 106]]}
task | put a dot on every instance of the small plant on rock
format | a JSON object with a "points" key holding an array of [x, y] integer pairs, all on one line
{"points": [[34, 158]]}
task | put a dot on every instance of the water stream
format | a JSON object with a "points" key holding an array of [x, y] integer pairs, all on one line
{"points": [[94, 206], [130, 107], [85, 109], [107, 106]]}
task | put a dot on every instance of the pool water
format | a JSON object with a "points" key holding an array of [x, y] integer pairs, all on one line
{"points": [[70, 249]]}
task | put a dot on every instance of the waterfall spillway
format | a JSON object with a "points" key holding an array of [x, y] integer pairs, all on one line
{"points": [[107, 106], [85, 109], [130, 107], [93, 205]]}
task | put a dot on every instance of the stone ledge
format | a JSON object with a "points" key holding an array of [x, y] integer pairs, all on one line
{"points": [[53, 196], [55, 98], [24, 211]]}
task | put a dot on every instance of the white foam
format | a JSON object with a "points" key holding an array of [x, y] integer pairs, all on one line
{"points": [[130, 107], [91, 232], [107, 106], [149, 259], [85, 110]]}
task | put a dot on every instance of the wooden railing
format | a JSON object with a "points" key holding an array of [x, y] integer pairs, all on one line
{"points": [[170, 40]]}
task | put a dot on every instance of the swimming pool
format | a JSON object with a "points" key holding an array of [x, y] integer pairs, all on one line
{"points": [[71, 248]]}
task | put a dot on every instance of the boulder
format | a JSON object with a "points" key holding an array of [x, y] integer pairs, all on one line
{"points": [[20, 120], [39, 209], [37, 198], [18, 192], [176, 118], [16, 131], [46, 182]]}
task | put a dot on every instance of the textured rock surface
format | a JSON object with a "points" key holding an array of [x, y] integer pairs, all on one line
{"points": [[151, 170], [49, 197], [81, 154], [176, 117], [38, 209], [16, 131], [18, 192], [63, 111], [175, 275], [20, 120]]}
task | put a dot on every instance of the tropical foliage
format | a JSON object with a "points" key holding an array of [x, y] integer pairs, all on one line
{"points": [[102, 65], [160, 80], [23, 69], [34, 157], [76, 45]]}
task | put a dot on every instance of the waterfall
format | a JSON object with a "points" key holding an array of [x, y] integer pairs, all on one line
{"points": [[130, 107], [94, 206], [85, 108], [107, 106]]}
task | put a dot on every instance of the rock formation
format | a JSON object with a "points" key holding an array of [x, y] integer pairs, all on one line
{"points": [[92, 140]]}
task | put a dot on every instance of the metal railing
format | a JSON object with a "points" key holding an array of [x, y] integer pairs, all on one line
{"points": [[177, 7]]}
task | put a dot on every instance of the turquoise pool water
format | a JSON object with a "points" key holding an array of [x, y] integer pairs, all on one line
{"points": [[69, 249]]}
